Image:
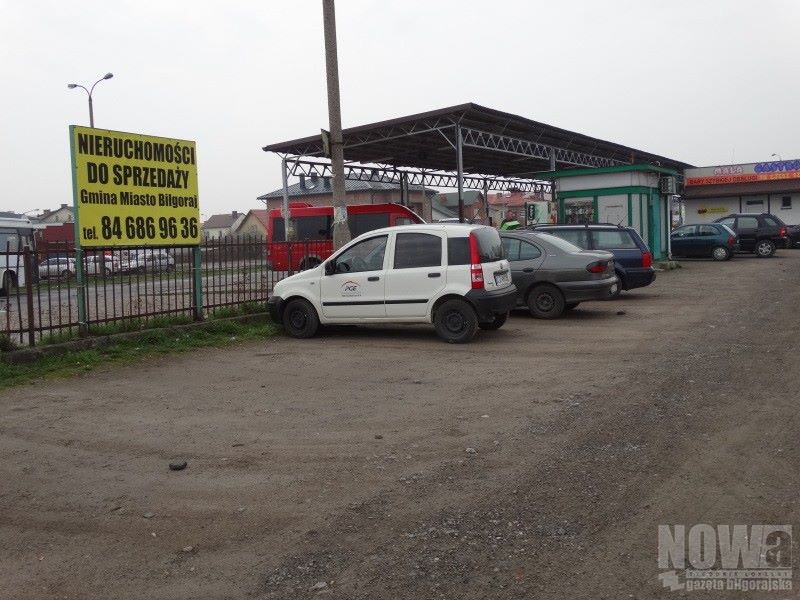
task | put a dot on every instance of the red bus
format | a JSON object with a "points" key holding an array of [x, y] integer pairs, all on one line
{"points": [[313, 227]]}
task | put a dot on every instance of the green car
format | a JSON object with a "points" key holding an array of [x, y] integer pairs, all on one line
{"points": [[712, 240]]}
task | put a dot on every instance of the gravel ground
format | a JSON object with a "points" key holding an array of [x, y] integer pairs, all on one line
{"points": [[536, 462]]}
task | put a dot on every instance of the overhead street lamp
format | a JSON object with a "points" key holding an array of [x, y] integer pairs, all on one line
{"points": [[72, 86]]}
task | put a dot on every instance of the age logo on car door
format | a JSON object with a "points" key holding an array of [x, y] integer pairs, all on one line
{"points": [[351, 288]]}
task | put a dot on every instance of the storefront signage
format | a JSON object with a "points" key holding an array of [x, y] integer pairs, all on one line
{"points": [[745, 173]]}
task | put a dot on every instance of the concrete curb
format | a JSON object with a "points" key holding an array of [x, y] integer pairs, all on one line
{"points": [[29, 355]]}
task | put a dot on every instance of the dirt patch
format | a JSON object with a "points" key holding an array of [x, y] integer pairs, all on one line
{"points": [[537, 461]]}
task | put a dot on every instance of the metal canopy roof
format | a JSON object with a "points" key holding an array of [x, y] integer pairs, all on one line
{"points": [[494, 143]]}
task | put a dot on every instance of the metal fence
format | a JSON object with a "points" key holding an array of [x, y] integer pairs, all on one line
{"points": [[140, 286]]}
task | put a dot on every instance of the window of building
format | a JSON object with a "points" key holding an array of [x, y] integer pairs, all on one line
{"points": [[579, 211], [413, 250], [786, 202]]}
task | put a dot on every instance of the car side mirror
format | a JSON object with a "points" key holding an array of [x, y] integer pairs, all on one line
{"points": [[330, 267]]}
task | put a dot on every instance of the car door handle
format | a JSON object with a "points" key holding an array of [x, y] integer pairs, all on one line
{"points": [[376, 278], [434, 274], [527, 270]]}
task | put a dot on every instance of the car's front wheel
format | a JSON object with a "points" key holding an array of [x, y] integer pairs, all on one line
{"points": [[720, 253], [455, 321], [497, 323], [300, 320], [765, 248], [546, 302]]}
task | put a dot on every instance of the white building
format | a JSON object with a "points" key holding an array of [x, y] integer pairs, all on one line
{"points": [[768, 187]]}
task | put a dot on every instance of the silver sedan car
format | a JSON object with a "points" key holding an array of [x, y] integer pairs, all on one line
{"points": [[553, 275]]}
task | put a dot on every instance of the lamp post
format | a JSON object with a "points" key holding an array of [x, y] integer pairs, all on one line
{"points": [[778, 155], [72, 86]]}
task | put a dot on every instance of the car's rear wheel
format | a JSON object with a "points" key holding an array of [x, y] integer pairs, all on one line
{"points": [[570, 305], [546, 302], [455, 321], [499, 321], [300, 320], [720, 253], [765, 248]]}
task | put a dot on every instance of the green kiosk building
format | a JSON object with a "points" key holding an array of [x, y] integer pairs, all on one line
{"points": [[637, 195]]}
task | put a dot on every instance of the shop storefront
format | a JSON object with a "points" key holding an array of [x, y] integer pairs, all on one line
{"points": [[769, 187], [624, 195]]}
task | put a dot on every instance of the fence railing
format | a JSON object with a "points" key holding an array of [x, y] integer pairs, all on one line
{"points": [[39, 290]]}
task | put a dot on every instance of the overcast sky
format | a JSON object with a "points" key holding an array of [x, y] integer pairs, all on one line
{"points": [[704, 82]]}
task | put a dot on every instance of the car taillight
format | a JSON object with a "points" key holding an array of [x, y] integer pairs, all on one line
{"points": [[597, 267], [782, 232], [731, 240], [647, 259], [475, 269]]}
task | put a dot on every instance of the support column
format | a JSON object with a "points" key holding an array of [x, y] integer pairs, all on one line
{"points": [[552, 159], [197, 284], [285, 208], [486, 200], [403, 189], [460, 173]]}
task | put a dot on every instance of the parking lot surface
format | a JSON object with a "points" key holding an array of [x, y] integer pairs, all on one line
{"points": [[537, 461]]}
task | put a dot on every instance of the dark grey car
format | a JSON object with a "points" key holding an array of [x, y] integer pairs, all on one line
{"points": [[553, 275]]}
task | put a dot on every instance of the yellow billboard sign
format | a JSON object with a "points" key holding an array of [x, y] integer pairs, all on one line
{"points": [[133, 190]]}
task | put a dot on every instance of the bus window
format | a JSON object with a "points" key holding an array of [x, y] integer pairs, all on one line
{"points": [[313, 228], [9, 240], [278, 233], [306, 228], [364, 222]]}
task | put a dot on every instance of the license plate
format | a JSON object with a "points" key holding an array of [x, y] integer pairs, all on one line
{"points": [[501, 279], [614, 289]]}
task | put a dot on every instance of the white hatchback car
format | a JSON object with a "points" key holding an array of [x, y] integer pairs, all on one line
{"points": [[452, 275]]}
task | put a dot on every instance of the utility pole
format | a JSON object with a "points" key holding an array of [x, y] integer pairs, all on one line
{"points": [[341, 230]]}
